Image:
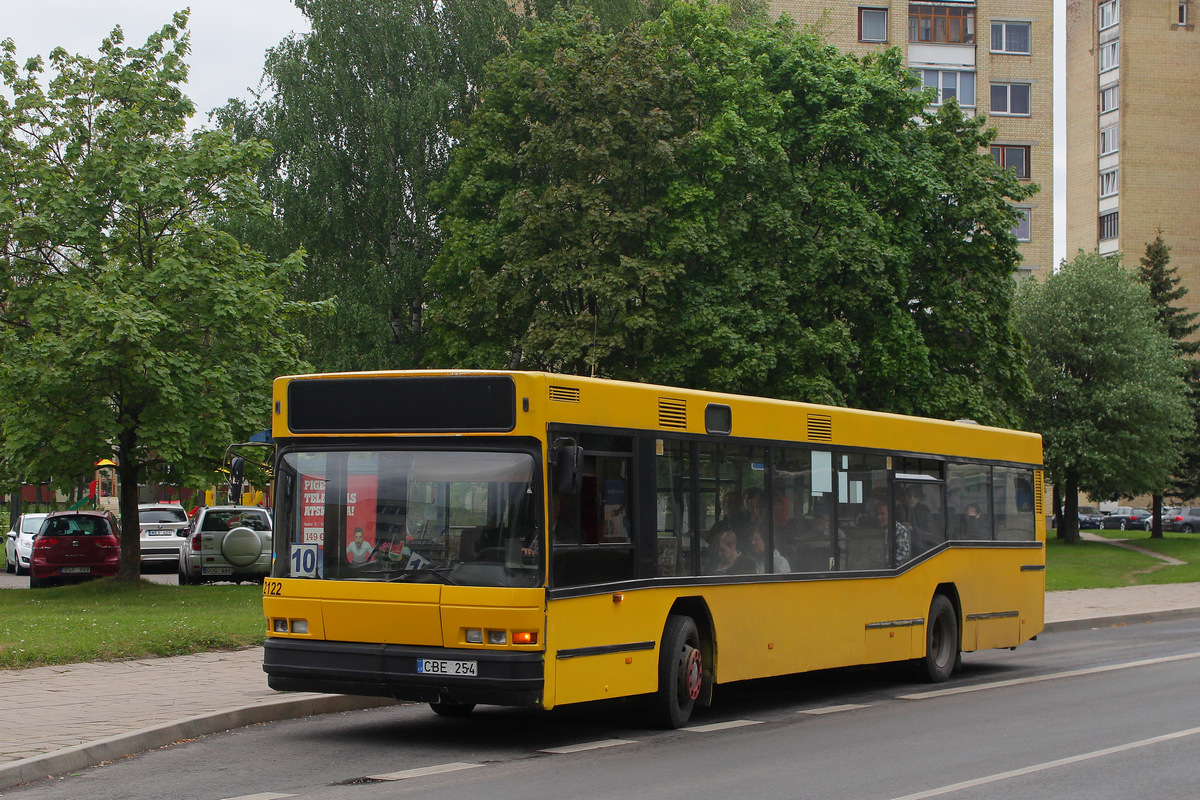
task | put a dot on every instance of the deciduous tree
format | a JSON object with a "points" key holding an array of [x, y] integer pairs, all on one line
{"points": [[357, 111], [735, 207], [1109, 400], [129, 325]]}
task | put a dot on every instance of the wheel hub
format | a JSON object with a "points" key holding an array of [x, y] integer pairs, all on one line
{"points": [[693, 672]]}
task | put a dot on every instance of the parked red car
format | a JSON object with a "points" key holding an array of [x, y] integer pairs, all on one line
{"points": [[75, 545]]}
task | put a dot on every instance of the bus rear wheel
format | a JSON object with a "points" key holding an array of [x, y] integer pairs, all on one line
{"points": [[680, 672], [942, 649]]}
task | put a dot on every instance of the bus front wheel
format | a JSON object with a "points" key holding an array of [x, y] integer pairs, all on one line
{"points": [[942, 651], [680, 672], [452, 709]]}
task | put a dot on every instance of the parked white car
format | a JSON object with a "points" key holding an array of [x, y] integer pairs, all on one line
{"points": [[226, 543], [163, 528], [18, 543]]}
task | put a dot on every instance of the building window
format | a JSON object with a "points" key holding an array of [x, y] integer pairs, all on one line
{"points": [[1021, 231], [1010, 98], [1110, 56], [1110, 14], [948, 84], [1014, 157], [1010, 37], [1108, 140], [1108, 183], [1110, 98], [1109, 227], [1183, 18], [872, 24], [941, 24]]}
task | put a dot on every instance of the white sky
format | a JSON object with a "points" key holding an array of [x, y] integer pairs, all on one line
{"points": [[230, 37]]}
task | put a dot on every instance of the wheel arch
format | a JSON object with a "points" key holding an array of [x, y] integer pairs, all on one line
{"points": [[950, 590], [697, 609]]}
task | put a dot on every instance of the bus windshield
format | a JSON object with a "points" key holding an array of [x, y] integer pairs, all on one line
{"points": [[426, 516]]}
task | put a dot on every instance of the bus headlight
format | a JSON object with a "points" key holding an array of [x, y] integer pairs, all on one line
{"points": [[474, 636], [497, 637]]}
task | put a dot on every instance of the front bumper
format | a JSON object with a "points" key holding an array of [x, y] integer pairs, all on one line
{"points": [[388, 670]]}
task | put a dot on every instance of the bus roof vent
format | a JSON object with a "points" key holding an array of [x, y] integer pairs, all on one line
{"points": [[672, 413], [820, 428], [564, 394]]}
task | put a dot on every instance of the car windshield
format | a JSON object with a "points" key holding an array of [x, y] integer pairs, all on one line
{"points": [[459, 517], [161, 515]]}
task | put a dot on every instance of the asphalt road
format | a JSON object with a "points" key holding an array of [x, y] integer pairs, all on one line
{"points": [[1103, 713], [157, 574]]}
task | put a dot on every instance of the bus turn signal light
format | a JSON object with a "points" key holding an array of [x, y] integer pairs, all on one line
{"points": [[524, 637]]}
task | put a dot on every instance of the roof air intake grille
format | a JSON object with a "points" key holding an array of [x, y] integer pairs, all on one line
{"points": [[564, 394], [672, 413], [820, 428]]}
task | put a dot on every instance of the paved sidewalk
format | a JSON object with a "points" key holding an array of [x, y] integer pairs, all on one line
{"points": [[52, 722]]}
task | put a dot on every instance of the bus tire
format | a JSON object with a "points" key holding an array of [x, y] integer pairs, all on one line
{"points": [[942, 649], [452, 709], [680, 673]]}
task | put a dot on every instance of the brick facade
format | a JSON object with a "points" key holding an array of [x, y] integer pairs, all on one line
{"points": [[1158, 143]]}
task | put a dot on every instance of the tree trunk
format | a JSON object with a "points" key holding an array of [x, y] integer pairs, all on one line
{"points": [[1156, 517], [1068, 526], [131, 536], [1057, 505]]}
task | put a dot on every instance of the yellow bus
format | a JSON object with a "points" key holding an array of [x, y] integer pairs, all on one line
{"points": [[532, 539]]}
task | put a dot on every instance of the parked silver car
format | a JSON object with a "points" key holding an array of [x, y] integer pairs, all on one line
{"points": [[163, 526], [226, 543], [18, 543]]}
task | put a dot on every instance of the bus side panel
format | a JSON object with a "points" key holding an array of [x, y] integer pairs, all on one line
{"points": [[629, 628]]}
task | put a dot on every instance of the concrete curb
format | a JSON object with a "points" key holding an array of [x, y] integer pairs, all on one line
{"points": [[1120, 619], [126, 744]]}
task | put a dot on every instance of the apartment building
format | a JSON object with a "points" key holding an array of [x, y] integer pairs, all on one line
{"points": [[995, 57], [1133, 104]]}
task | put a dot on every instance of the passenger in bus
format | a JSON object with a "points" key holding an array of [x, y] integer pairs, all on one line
{"points": [[758, 554], [733, 515], [727, 558], [756, 507], [916, 512], [974, 525], [358, 551], [902, 536]]}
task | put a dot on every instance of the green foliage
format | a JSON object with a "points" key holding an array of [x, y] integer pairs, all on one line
{"points": [[130, 326], [1097, 565], [1109, 399], [357, 112], [734, 207], [1181, 325], [107, 620]]}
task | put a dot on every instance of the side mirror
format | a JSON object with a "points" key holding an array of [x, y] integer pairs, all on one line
{"points": [[568, 467]]}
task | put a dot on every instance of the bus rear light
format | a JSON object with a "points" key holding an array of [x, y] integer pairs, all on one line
{"points": [[497, 637], [524, 637], [474, 636]]}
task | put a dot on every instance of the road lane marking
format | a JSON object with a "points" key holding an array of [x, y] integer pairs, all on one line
{"points": [[420, 772], [261, 796], [1074, 673], [722, 726], [1061, 762], [579, 748], [831, 709]]}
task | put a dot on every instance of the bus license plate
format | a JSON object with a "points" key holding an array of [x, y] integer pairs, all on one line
{"points": [[429, 666], [75, 570]]}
